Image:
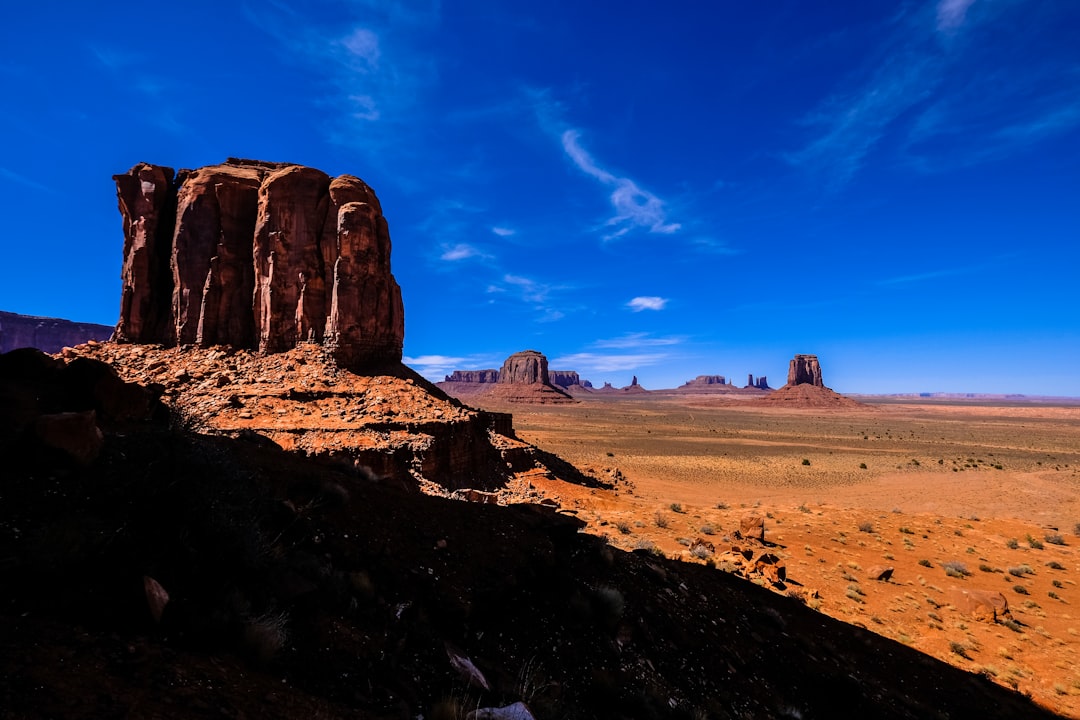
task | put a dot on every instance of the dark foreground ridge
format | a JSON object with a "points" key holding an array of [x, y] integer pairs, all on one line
{"points": [[296, 589]]}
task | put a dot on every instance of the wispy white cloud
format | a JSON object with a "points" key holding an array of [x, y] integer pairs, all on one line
{"points": [[951, 14], [587, 361], [503, 231], [944, 90], [369, 68], [920, 277], [647, 302], [635, 208], [461, 251], [853, 123], [714, 246], [15, 177], [435, 367], [638, 340], [531, 290]]}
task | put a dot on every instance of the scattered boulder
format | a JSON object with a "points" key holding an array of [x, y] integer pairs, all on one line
{"points": [[156, 597], [74, 433], [752, 527], [980, 605], [880, 573]]}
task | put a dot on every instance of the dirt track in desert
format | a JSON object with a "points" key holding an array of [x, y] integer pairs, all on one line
{"points": [[951, 496]]}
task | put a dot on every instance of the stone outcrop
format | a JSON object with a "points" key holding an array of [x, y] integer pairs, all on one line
{"points": [[805, 370], [260, 256], [525, 367], [473, 376], [46, 334], [761, 383]]}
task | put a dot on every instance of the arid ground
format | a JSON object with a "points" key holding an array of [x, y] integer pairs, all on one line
{"points": [[952, 496]]}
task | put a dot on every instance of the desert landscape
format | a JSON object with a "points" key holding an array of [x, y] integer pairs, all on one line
{"points": [[244, 504], [952, 496]]}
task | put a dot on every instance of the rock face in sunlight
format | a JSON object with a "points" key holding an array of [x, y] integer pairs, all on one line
{"points": [[257, 255], [527, 366], [805, 370]]}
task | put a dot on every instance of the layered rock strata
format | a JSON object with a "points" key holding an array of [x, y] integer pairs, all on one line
{"points": [[473, 376], [260, 256]]}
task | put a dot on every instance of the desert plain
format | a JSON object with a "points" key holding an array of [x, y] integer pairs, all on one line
{"points": [[952, 495]]}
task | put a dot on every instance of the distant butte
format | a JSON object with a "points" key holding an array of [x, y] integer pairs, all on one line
{"points": [[524, 378], [806, 389]]}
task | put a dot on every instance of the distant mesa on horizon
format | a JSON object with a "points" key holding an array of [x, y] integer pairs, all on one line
{"points": [[257, 255], [524, 378], [47, 334]]}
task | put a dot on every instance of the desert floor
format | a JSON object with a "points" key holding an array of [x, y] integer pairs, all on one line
{"points": [[952, 496]]}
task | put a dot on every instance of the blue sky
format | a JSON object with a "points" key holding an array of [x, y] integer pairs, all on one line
{"points": [[707, 189]]}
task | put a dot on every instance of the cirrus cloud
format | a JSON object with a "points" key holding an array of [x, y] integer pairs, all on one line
{"points": [[647, 302]]}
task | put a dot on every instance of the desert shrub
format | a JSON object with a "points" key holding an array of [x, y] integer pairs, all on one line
{"points": [[1012, 625], [701, 552], [1054, 565], [958, 648], [722, 505], [1076, 527], [661, 520], [803, 508], [676, 507], [954, 568], [708, 530], [1034, 543], [609, 602], [855, 594], [1054, 539], [1053, 595], [806, 461], [1020, 589], [1012, 543], [1021, 571], [683, 541], [906, 530], [862, 466], [986, 568], [866, 527], [926, 563], [623, 527], [648, 545], [1056, 583]]}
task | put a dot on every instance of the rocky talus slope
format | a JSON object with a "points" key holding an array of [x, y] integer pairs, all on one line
{"points": [[397, 426]]}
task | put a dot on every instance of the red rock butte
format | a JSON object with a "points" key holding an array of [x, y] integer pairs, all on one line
{"points": [[258, 255]]}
